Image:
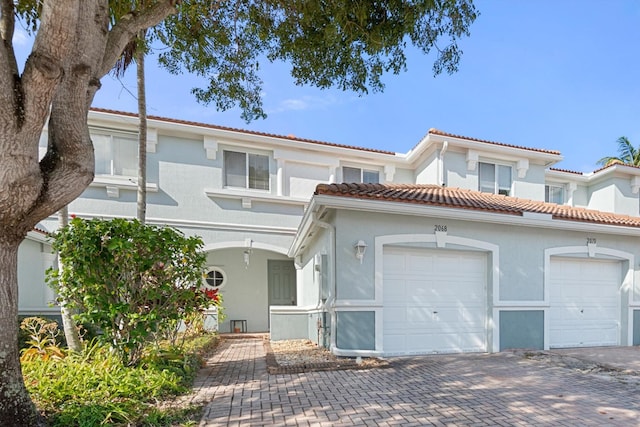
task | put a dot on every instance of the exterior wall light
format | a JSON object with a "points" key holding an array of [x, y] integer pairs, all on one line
{"points": [[248, 243], [361, 248]]}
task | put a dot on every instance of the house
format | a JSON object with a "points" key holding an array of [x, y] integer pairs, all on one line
{"points": [[459, 245]]}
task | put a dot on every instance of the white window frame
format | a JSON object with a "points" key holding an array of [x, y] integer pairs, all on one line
{"points": [[114, 160], [547, 194], [362, 173], [247, 164], [497, 189], [217, 270]]}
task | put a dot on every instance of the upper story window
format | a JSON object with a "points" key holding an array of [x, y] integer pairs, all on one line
{"points": [[360, 175], [494, 178], [246, 170], [116, 154], [554, 194]]}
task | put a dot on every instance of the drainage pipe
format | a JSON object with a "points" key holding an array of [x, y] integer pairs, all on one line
{"points": [[329, 304]]}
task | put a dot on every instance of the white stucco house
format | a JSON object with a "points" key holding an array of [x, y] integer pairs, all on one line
{"points": [[459, 245]]}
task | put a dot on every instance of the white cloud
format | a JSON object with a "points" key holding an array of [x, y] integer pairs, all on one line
{"points": [[294, 104], [309, 103], [21, 38]]}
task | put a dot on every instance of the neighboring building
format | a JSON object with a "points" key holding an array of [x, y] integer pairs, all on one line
{"points": [[458, 245], [34, 258]]}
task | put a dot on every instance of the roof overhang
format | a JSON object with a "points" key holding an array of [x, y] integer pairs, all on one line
{"points": [[320, 203], [501, 150]]}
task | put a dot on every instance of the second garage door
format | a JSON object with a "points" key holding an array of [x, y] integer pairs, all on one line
{"points": [[434, 301], [585, 302]]}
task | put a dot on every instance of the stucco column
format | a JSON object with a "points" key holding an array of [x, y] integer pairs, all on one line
{"points": [[299, 285], [280, 178]]}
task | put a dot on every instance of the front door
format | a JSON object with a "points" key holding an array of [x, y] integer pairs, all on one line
{"points": [[282, 282]]}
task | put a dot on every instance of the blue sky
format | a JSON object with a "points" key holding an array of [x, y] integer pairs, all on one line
{"points": [[561, 75]]}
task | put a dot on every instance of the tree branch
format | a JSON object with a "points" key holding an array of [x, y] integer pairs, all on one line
{"points": [[128, 26], [45, 66], [8, 65], [7, 29]]}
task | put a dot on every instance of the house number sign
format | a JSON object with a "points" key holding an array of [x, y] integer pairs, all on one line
{"points": [[591, 240], [439, 227]]}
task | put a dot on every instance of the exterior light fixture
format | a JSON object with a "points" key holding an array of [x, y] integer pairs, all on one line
{"points": [[248, 243], [361, 248]]}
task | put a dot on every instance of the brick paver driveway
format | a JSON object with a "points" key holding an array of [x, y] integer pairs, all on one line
{"points": [[454, 390]]}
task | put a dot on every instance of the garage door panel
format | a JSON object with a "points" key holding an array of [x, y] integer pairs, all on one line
{"points": [[584, 302], [397, 315], [394, 262], [442, 307], [419, 316], [419, 264]]}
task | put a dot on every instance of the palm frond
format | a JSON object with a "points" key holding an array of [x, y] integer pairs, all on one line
{"points": [[608, 161], [627, 154], [626, 151]]}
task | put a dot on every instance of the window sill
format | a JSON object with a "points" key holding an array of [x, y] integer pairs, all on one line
{"points": [[114, 184], [248, 196]]}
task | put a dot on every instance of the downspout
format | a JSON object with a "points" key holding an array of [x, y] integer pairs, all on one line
{"points": [[330, 302], [445, 145]]}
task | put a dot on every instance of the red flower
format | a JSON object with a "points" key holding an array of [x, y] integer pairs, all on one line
{"points": [[212, 294]]}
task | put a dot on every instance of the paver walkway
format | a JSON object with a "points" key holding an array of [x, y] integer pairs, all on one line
{"points": [[447, 390]]}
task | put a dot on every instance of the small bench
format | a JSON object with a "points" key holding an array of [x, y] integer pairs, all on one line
{"points": [[238, 325]]}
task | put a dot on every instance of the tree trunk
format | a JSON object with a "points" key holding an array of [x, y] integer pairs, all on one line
{"points": [[142, 130], [16, 408], [75, 46], [68, 324]]}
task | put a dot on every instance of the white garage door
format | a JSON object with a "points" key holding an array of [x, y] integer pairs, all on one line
{"points": [[585, 302], [434, 301]]}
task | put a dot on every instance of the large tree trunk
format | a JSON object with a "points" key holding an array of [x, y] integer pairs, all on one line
{"points": [[74, 47], [16, 408]]}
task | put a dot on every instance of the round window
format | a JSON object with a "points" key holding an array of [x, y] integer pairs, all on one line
{"points": [[215, 278]]}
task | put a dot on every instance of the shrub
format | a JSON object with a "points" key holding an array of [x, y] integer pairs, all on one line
{"points": [[40, 339], [132, 281]]}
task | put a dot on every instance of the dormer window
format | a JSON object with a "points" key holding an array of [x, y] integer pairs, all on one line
{"points": [[246, 170], [115, 154], [494, 178], [359, 175], [554, 194]]}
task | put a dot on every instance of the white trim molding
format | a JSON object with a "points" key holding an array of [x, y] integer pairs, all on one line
{"points": [[243, 244], [210, 146], [247, 197]]}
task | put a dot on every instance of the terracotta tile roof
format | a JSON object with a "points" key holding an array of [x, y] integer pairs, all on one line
{"points": [[616, 164], [435, 131], [433, 195], [248, 132], [36, 229], [566, 171]]}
